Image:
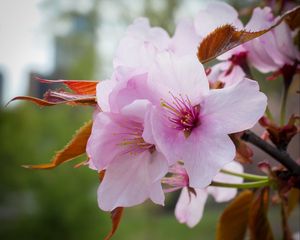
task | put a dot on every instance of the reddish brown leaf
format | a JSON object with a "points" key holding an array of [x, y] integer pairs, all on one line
{"points": [[73, 149], [280, 135], [78, 86], [69, 98], [293, 200], [259, 225], [37, 101], [243, 152], [101, 175], [233, 222], [227, 37], [73, 100], [116, 216], [292, 18]]}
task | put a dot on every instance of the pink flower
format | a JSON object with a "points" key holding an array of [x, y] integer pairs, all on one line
{"points": [[133, 167], [140, 44], [227, 72], [190, 32], [190, 206], [273, 50], [191, 123]]}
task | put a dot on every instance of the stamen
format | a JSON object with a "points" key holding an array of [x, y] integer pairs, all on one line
{"points": [[132, 140], [182, 114]]}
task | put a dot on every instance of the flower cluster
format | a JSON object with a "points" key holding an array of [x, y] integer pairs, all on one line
{"points": [[158, 109], [164, 122]]}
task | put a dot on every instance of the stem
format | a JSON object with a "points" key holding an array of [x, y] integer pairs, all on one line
{"points": [[257, 184], [269, 114], [283, 106], [280, 155], [245, 175]]}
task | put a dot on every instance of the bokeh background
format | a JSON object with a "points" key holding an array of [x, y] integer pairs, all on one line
{"points": [[76, 39]]}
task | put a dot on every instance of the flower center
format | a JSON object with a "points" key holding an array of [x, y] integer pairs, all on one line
{"points": [[132, 140], [182, 114]]}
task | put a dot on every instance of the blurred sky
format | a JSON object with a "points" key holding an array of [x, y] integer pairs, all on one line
{"points": [[26, 41], [24, 44]]}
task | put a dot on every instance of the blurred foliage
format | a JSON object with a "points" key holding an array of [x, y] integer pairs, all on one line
{"points": [[44, 204]]}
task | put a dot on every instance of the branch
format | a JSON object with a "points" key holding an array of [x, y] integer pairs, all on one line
{"points": [[281, 156]]}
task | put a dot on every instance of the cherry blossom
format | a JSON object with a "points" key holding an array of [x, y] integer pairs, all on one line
{"points": [[140, 44], [191, 123], [190, 32], [133, 167], [274, 49], [190, 206]]}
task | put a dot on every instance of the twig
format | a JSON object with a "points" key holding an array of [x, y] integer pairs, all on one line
{"points": [[281, 156]]}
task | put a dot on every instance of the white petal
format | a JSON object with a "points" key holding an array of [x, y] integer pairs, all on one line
{"points": [[225, 194], [189, 208]]}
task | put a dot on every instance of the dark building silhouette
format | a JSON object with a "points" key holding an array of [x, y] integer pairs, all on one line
{"points": [[75, 53]]}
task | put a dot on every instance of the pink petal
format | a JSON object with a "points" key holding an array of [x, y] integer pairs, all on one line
{"points": [[185, 40], [189, 208], [148, 132], [104, 88], [261, 18], [102, 145], [235, 108], [203, 152], [136, 110], [140, 44], [205, 155], [258, 56], [126, 91], [214, 15], [130, 180], [178, 75], [219, 72]]}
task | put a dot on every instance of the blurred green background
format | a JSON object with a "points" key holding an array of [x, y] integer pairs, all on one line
{"points": [[61, 203]]}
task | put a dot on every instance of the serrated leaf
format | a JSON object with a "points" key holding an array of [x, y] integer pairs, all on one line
{"points": [[69, 98], [73, 149], [78, 86], [72, 100], [227, 37], [116, 216], [259, 226], [222, 39], [233, 222]]}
